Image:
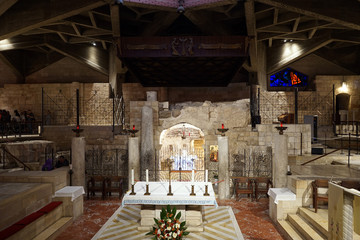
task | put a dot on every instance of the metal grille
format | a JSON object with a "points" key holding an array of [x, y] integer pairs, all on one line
{"points": [[274, 104], [60, 109], [183, 161], [252, 162], [106, 162]]}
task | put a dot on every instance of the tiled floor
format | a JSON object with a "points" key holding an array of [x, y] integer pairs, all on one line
{"points": [[252, 218]]}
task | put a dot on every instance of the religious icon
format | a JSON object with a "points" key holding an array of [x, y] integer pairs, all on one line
{"points": [[214, 153]]}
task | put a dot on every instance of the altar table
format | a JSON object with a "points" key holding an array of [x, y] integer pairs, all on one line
{"points": [[189, 206]]}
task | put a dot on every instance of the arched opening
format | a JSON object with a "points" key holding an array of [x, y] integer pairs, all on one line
{"points": [[182, 150], [342, 107]]}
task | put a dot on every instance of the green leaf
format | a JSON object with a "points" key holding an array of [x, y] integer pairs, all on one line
{"points": [[168, 209], [163, 213], [185, 233], [178, 216], [174, 211], [156, 221], [182, 224], [149, 233]]}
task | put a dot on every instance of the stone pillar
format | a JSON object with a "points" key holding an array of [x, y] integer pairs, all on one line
{"points": [[134, 159], [78, 161], [280, 160], [224, 187], [151, 96], [147, 144]]}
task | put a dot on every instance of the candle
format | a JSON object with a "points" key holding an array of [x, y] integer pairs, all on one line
{"points": [[147, 176], [280, 124], [222, 126], [288, 168], [206, 175], [132, 176], [133, 127], [192, 177]]}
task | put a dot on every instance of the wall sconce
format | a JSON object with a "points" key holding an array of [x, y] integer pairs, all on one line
{"points": [[180, 8]]}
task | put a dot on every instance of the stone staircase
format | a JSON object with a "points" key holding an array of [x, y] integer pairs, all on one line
{"points": [[306, 224]]}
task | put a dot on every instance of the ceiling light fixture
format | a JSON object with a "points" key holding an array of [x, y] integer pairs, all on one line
{"points": [[93, 43], [180, 8]]}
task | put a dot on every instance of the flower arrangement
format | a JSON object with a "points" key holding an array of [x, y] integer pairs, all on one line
{"points": [[168, 226]]}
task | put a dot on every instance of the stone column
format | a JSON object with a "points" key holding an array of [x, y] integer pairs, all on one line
{"points": [[134, 159], [147, 144], [224, 187], [78, 161], [280, 160]]}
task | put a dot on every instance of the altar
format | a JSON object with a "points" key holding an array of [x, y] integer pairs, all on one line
{"points": [[191, 207]]}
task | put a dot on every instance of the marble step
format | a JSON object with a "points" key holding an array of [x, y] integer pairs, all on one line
{"points": [[304, 228], [315, 219], [289, 230], [55, 229]]}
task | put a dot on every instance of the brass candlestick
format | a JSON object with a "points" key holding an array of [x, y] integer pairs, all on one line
{"points": [[206, 191], [169, 162], [147, 190], [192, 191], [132, 190], [170, 193]]}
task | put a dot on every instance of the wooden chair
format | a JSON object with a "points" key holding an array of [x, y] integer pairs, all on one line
{"points": [[96, 184], [319, 196], [262, 185], [351, 184], [114, 184], [244, 185]]}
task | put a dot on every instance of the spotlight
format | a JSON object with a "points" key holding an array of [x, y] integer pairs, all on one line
{"points": [[180, 8], [93, 43]]}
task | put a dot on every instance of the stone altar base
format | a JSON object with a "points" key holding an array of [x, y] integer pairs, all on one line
{"points": [[219, 223], [193, 215]]}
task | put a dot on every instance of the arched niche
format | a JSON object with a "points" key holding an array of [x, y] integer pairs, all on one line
{"points": [[342, 106], [182, 145]]}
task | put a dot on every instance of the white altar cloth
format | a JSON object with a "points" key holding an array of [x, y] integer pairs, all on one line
{"points": [[70, 191], [281, 194], [181, 191]]}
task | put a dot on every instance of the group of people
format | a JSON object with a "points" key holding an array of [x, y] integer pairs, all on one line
{"points": [[18, 122], [61, 162]]}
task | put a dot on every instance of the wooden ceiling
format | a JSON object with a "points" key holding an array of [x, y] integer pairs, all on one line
{"points": [[37, 33]]}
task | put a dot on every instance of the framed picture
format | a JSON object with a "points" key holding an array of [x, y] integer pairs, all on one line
{"points": [[214, 153]]}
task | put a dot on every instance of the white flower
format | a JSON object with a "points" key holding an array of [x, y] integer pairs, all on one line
{"points": [[177, 225], [178, 232], [169, 220], [163, 225], [168, 228], [174, 235]]}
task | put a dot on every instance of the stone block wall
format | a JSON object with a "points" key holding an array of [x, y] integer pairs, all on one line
{"points": [[60, 100], [319, 102]]}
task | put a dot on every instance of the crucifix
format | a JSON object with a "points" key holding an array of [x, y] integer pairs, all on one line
{"points": [[169, 163]]}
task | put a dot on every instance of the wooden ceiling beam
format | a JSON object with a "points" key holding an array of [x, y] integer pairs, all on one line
{"points": [[251, 31], [92, 19], [206, 23], [76, 29], [5, 5], [115, 20], [347, 12], [161, 21], [39, 13], [93, 57], [282, 18], [20, 43], [287, 53]]}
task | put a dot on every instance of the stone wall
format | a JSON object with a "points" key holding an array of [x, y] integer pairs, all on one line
{"points": [[319, 102], [59, 99]]}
